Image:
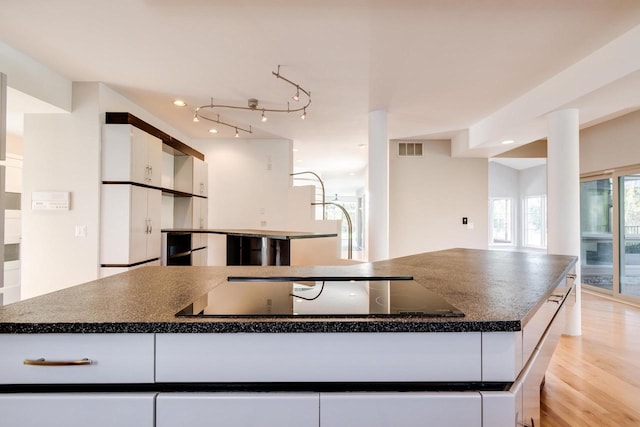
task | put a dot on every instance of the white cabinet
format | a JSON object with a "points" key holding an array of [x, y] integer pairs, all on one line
{"points": [[237, 409], [131, 155], [199, 257], [77, 409], [411, 409], [190, 175], [200, 176], [312, 357], [199, 213], [51, 358], [131, 218]]}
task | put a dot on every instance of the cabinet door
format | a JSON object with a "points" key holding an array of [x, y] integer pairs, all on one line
{"points": [[154, 160], [237, 409], [154, 216], [139, 156], [139, 224], [77, 410], [200, 177], [199, 212], [433, 409]]}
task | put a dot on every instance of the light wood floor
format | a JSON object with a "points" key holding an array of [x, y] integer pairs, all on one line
{"points": [[594, 379]]}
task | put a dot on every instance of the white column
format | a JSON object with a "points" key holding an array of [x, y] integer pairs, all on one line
{"points": [[563, 196], [378, 226]]}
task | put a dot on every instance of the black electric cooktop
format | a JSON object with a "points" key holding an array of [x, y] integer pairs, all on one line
{"points": [[320, 297]]}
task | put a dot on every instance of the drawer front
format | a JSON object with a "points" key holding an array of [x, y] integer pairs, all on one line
{"points": [[77, 410], [419, 409], [111, 358], [302, 357], [238, 409], [537, 325]]}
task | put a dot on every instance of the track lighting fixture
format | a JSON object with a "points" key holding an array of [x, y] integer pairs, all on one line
{"points": [[237, 134], [253, 105]]}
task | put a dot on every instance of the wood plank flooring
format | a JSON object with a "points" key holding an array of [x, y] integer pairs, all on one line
{"points": [[594, 379]]}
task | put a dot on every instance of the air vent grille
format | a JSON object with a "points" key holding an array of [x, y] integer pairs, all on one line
{"points": [[410, 149]]}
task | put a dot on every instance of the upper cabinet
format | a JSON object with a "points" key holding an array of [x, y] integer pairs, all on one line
{"points": [[190, 175], [131, 154]]}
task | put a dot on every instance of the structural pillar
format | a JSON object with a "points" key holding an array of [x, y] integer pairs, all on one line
{"points": [[378, 186], [563, 197]]}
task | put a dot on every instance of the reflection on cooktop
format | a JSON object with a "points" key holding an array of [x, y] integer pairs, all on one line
{"points": [[337, 297]]}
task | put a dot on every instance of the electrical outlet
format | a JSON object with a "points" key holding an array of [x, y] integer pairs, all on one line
{"points": [[263, 223], [464, 220]]}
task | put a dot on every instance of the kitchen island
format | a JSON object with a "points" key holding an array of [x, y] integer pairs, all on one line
{"points": [[483, 369]]}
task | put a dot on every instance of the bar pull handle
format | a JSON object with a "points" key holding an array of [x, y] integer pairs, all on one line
{"points": [[44, 362]]}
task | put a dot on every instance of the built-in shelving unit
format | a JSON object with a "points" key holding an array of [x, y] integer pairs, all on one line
{"points": [[150, 181]]}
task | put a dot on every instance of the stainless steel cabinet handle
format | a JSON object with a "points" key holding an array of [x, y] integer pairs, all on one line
{"points": [[43, 362]]}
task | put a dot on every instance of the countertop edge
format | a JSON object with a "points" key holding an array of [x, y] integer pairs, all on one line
{"points": [[393, 325]]}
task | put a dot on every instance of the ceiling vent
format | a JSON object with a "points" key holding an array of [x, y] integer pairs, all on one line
{"points": [[410, 149]]}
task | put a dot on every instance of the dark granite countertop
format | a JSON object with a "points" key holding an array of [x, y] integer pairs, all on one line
{"points": [[497, 291], [271, 234]]}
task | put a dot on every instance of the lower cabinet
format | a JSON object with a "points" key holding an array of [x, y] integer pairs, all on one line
{"points": [[77, 409], [237, 409], [433, 409]]}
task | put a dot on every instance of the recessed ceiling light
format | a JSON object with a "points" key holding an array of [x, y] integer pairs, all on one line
{"points": [[179, 103], [508, 141], [295, 150], [212, 130]]}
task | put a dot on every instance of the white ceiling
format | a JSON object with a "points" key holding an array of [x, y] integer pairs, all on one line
{"points": [[436, 66]]}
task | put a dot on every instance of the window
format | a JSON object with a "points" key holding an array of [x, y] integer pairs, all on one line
{"points": [[501, 222], [535, 222]]}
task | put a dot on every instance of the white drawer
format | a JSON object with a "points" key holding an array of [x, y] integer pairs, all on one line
{"points": [[114, 358], [300, 357], [77, 409], [537, 325]]}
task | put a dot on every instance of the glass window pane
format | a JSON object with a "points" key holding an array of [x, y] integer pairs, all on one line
{"points": [[535, 219], [596, 233], [630, 235], [501, 221]]}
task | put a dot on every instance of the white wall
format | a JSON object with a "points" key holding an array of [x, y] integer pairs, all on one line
{"points": [[34, 79], [611, 144], [62, 153], [248, 182], [503, 181], [533, 181], [429, 195]]}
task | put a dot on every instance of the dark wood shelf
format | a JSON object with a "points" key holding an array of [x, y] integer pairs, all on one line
{"points": [[130, 119]]}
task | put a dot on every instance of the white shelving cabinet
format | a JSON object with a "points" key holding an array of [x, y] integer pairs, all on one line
{"points": [[150, 182]]}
